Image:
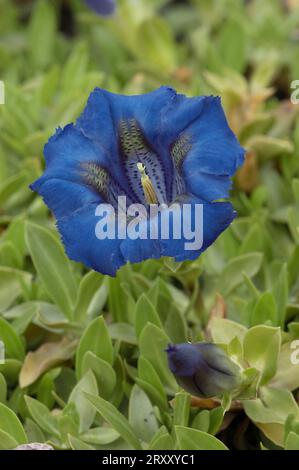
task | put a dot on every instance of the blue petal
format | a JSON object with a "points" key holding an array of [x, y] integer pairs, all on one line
{"points": [[65, 152], [215, 153], [216, 218], [72, 160], [105, 111], [102, 7], [81, 244], [139, 250], [183, 359], [64, 197]]}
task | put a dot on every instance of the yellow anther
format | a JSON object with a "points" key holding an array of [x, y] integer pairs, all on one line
{"points": [[147, 185]]}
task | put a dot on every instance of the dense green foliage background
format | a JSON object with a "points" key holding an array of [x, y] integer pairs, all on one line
{"points": [[85, 363]]}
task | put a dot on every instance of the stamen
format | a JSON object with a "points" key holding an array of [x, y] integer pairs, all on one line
{"points": [[147, 185]]}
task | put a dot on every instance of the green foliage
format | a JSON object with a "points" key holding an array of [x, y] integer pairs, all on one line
{"points": [[85, 364]]}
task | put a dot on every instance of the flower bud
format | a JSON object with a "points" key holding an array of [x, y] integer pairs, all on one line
{"points": [[203, 369]]}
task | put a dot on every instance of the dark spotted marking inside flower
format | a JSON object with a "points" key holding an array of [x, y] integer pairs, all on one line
{"points": [[96, 176], [179, 151], [135, 149], [101, 181]]}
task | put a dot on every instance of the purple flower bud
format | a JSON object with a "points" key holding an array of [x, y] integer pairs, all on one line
{"points": [[102, 7], [203, 369]]}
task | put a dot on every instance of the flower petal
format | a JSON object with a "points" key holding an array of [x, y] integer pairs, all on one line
{"points": [[77, 173], [81, 244], [67, 149], [216, 217], [215, 153], [102, 7], [105, 112], [64, 197]]}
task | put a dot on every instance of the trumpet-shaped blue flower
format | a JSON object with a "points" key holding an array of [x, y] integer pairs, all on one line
{"points": [[101, 7], [160, 147], [203, 369]]}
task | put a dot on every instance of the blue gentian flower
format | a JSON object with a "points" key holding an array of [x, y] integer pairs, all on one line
{"points": [[203, 369], [160, 146], [101, 7]]}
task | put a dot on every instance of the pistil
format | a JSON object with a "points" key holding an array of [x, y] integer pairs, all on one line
{"points": [[147, 185]]}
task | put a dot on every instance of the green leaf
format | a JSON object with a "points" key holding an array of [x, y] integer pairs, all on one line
{"points": [[7, 442], [42, 416], [115, 419], [41, 34], [295, 188], [175, 325], [33, 431], [270, 412], [202, 421], [11, 424], [152, 344], [261, 348], [86, 411], [104, 373], [293, 222], [75, 68], [152, 392], [232, 274], [216, 419], [193, 439], [13, 345], [11, 281], [264, 310], [122, 332], [141, 415], [3, 389], [52, 266], [287, 374], [28, 312], [150, 35], [232, 45], [10, 186], [145, 313], [10, 369], [9, 256], [68, 421], [162, 440], [117, 300], [292, 442], [147, 373], [78, 444], [100, 436], [267, 147], [224, 330], [181, 413], [15, 234], [45, 388], [88, 287], [281, 293], [97, 340]]}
